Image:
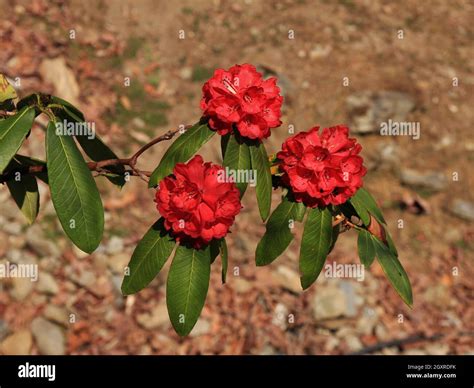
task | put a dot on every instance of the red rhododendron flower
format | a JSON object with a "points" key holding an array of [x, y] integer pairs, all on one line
{"points": [[197, 203], [240, 97], [322, 169]]}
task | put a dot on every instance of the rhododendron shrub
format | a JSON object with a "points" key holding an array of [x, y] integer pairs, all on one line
{"points": [[319, 174]]}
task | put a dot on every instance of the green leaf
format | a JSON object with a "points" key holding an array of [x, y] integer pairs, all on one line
{"points": [[183, 148], [93, 146], [259, 159], [215, 247], [13, 131], [300, 211], [277, 236], [365, 248], [391, 244], [7, 92], [26, 195], [148, 258], [237, 158], [225, 260], [334, 237], [224, 142], [186, 289], [315, 245], [73, 191], [364, 204], [394, 271]]}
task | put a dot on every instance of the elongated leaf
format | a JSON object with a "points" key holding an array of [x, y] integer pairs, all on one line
{"points": [[186, 289], [26, 195], [278, 235], [365, 248], [224, 142], [237, 158], [364, 204], [215, 247], [7, 92], [92, 144], [225, 260], [394, 271], [73, 191], [391, 244], [334, 237], [300, 211], [13, 131], [148, 258], [259, 159], [183, 148], [315, 245]]}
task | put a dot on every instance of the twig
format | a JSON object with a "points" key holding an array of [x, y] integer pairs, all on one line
{"points": [[102, 166]]}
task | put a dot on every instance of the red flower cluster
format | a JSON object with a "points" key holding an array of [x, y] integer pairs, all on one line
{"points": [[322, 169], [196, 203], [240, 96]]}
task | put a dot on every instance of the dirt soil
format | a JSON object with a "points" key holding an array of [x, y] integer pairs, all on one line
{"points": [[340, 49]]}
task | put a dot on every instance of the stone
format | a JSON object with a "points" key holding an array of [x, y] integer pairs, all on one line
{"points": [[241, 285], [202, 327], [367, 109], [18, 343], [41, 246], [429, 180], [353, 343], [12, 228], [186, 73], [47, 284], [115, 245], [4, 330], [56, 314], [117, 262], [22, 287], [329, 303], [157, 317], [280, 316], [49, 337], [288, 279], [437, 349], [462, 209], [56, 72]]}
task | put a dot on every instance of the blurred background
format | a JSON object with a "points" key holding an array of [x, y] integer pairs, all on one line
{"points": [[357, 62]]}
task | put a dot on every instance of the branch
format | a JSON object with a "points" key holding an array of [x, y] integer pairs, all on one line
{"points": [[101, 166]]}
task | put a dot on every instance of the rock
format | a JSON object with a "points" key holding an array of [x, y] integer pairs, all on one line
{"points": [[414, 352], [330, 302], [202, 327], [268, 350], [381, 332], [43, 247], [367, 110], [118, 262], [353, 343], [22, 287], [462, 209], [4, 330], [56, 72], [157, 317], [438, 295], [56, 314], [437, 349], [114, 246], [49, 337], [430, 180], [288, 279], [241, 285], [47, 284], [186, 73], [18, 343], [12, 228], [280, 316]]}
